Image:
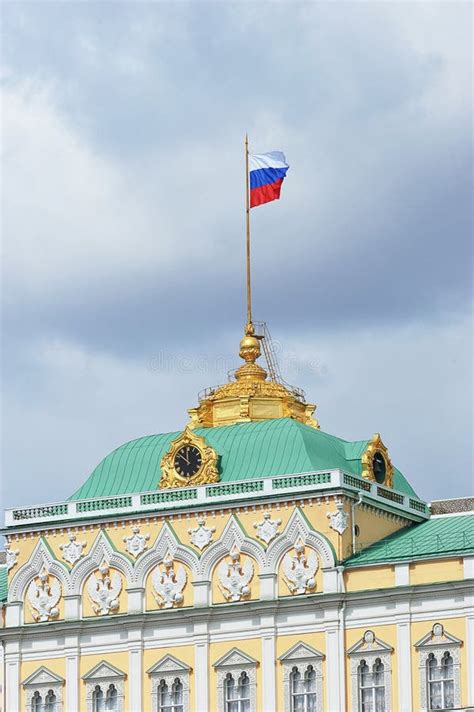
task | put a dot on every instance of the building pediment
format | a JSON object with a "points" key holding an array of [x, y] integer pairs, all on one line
{"points": [[437, 637], [369, 643], [235, 658], [103, 671], [168, 664], [42, 677], [301, 652]]}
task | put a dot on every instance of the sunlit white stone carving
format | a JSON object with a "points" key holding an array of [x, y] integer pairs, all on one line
{"points": [[73, 551], [11, 556], [268, 528], [299, 572], [339, 519], [234, 578], [43, 596], [135, 544], [168, 584], [104, 590], [202, 535]]}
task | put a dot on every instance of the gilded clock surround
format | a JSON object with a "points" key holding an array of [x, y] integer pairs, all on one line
{"points": [[376, 446], [208, 472]]}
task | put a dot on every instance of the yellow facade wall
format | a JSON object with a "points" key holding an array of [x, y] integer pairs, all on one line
{"points": [[283, 644], [368, 578], [436, 571]]}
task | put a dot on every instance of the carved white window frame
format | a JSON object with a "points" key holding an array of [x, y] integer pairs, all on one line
{"points": [[104, 674], [236, 662], [438, 642], [301, 656], [370, 648], [42, 681], [168, 669]]}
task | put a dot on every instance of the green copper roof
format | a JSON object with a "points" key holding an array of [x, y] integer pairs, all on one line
{"points": [[439, 536], [247, 451], [3, 583]]}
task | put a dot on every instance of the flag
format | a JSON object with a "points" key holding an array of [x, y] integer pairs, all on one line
{"points": [[267, 171]]}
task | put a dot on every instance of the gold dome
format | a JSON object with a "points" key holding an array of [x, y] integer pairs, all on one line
{"points": [[250, 396]]}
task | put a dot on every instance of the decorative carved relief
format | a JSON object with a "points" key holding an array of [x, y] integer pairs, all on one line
{"points": [[208, 471], [201, 536], [168, 584], [135, 544], [73, 551], [299, 570], [43, 596], [104, 590], [234, 578], [268, 528], [339, 519], [376, 447], [11, 556]]}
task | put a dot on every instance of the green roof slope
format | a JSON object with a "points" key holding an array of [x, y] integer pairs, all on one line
{"points": [[3, 583], [247, 451], [438, 536]]}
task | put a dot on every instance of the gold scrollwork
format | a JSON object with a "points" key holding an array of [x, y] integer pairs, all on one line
{"points": [[376, 446], [208, 472]]}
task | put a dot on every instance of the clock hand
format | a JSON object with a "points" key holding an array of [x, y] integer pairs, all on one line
{"points": [[181, 457]]}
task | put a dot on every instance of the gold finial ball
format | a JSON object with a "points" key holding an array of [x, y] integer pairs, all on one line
{"points": [[249, 348]]}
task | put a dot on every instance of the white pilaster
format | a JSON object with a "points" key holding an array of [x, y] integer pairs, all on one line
{"points": [[13, 614], [201, 668], [402, 574], [72, 607], [470, 659], [330, 580], [12, 682], [135, 668], [201, 593], [404, 667], [334, 700], [136, 598], [468, 567], [268, 666], [71, 655], [267, 587]]}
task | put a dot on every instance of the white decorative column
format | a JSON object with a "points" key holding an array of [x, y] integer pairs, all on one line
{"points": [[135, 677], [402, 574], [404, 666], [71, 656], [12, 677], [334, 662], [202, 668], [470, 658], [136, 599], [268, 663]]}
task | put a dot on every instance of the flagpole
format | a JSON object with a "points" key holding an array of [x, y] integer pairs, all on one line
{"points": [[247, 196]]}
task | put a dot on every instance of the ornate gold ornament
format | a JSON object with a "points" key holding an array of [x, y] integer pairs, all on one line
{"points": [[207, 471], [376, 462]]}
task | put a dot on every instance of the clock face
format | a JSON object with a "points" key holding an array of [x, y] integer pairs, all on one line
{"points": [[380, 467], [187, 460]]}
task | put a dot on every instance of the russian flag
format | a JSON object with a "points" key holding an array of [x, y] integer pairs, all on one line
{"points": [[267, 171]]}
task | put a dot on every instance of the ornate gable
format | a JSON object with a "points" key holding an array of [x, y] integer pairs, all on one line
{"points": [[438, 637], [43, 677], [235, 658], [168, 664], [104, 671], [301, 652], [369, 644]]}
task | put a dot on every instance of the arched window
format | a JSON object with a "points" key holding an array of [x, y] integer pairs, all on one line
{"points": [[440, 682], [303, 690], [170, 697], [98, 700], [50, 702], [111, 699], [371, 686], [237, 694], [36, 702]]}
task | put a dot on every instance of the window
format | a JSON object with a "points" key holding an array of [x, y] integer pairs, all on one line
{"points": [[371, 686], [440, 670], [170, 698], [302, 679], [105, 702], [169, 685], [237, 694], [371, 689], [303, 690], [43, 691], [236, 682], [440, 682]]}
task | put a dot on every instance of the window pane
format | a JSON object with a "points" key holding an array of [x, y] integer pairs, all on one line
{"points": [[380, 699], [449, 694], [311, 703], [435, 696], [367, 701], [298, 703]]}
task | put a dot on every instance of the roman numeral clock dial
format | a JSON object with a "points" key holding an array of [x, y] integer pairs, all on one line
{"points": [[188, 461]]}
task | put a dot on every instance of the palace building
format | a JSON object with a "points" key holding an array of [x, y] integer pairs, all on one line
{"points": [[249, 563]]}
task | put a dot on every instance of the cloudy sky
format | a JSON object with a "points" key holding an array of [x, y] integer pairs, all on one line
{"points": [[123, 224]]}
